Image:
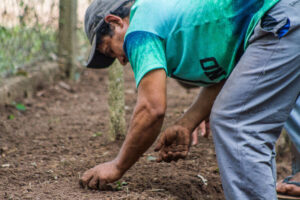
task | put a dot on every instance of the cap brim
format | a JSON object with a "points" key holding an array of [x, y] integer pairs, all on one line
{"points": [[97, 59]]}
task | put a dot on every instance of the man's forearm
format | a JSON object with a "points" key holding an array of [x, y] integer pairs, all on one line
{"points": [[201, 108], [144, 129], [145, 126]]}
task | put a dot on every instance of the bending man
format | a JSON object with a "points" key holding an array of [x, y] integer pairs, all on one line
{"points": [[252, 46]]}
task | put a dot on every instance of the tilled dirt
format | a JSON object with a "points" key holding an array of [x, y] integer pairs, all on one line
{"points": [[62, 133]]}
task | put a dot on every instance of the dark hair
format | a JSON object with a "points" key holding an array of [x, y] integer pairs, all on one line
{"points": [[106, 29]]}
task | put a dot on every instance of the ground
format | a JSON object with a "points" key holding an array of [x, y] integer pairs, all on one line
{"points": [[45, 149]]}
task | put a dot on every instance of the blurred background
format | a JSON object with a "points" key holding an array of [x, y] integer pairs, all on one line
{"points": [[29, 33]]}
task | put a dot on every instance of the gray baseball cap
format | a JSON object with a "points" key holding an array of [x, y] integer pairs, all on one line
{"points": [[94, 19]]}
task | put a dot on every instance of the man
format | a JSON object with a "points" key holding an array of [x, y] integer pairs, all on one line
{"points": [[200, 42], [289, 188]]}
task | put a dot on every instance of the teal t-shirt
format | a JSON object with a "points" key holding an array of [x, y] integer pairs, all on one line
{"points": [[196, 41]]}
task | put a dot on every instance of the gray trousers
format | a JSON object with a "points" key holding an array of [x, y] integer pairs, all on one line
{"points": [[292, 127], [249, 113]]}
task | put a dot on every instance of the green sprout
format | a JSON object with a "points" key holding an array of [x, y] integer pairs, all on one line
{"points": [[20, 107], [120, 185], [11, 117], [98, 134]]}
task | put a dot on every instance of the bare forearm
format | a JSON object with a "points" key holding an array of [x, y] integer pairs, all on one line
{"points": [[201, 108], [144, 129]]}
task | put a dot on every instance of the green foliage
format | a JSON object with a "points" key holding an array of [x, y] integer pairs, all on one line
{"points": [[119, 185], [98, 134], [32, 39], [19, 106], [22, 45], [11, 117]]}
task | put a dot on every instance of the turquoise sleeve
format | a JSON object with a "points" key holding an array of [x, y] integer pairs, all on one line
{"points": [[145, 52]]}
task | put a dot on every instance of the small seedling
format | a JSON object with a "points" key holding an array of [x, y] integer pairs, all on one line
{"points": [[217, 170], [120, 185], [22, 73], [98, 134], [19, 106], [11, 117]]}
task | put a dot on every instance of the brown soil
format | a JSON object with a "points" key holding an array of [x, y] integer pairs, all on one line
{"points": [[62, 133]]}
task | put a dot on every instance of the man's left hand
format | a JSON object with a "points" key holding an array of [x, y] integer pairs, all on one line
{"points": [[174, 144]]}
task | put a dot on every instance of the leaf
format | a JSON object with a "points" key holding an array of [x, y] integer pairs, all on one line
{"points": [[22, 73], [97, 134], [119, 185], [20, 107], [11, 117]]}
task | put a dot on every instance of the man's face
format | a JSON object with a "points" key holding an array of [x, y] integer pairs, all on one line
{"points": [[112, 46]]}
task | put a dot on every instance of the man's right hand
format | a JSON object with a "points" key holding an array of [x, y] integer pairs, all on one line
{"points": [[100, 175], [174, 144]]}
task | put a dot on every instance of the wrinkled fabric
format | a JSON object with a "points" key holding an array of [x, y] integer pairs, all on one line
{"points": [[292, 126]]}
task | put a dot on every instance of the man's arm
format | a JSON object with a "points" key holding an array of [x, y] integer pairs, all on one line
{"points": [[201, 107], [147, 118], [176, 140], [144, 128]]}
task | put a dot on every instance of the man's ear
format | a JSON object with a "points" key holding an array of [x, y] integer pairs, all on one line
{"points": [[114, 20]]}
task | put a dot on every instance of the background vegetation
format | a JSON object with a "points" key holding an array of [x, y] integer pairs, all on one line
{"points": [[28, 34]]}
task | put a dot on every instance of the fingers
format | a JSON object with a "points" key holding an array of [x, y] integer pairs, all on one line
{"points": [[205, 133], [205, 128], [173, 153], [170, 156], [91, 180], [195, 136], [159, 144], [202, 128], [94, 183], [85, 179]]}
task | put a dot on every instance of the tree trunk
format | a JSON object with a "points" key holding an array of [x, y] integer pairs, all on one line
{"points": [[67, 35], [116, 101]]}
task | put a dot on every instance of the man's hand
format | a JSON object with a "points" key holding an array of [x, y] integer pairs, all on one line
{"points": [[100, 175], [204, 129], [173, 144]]}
